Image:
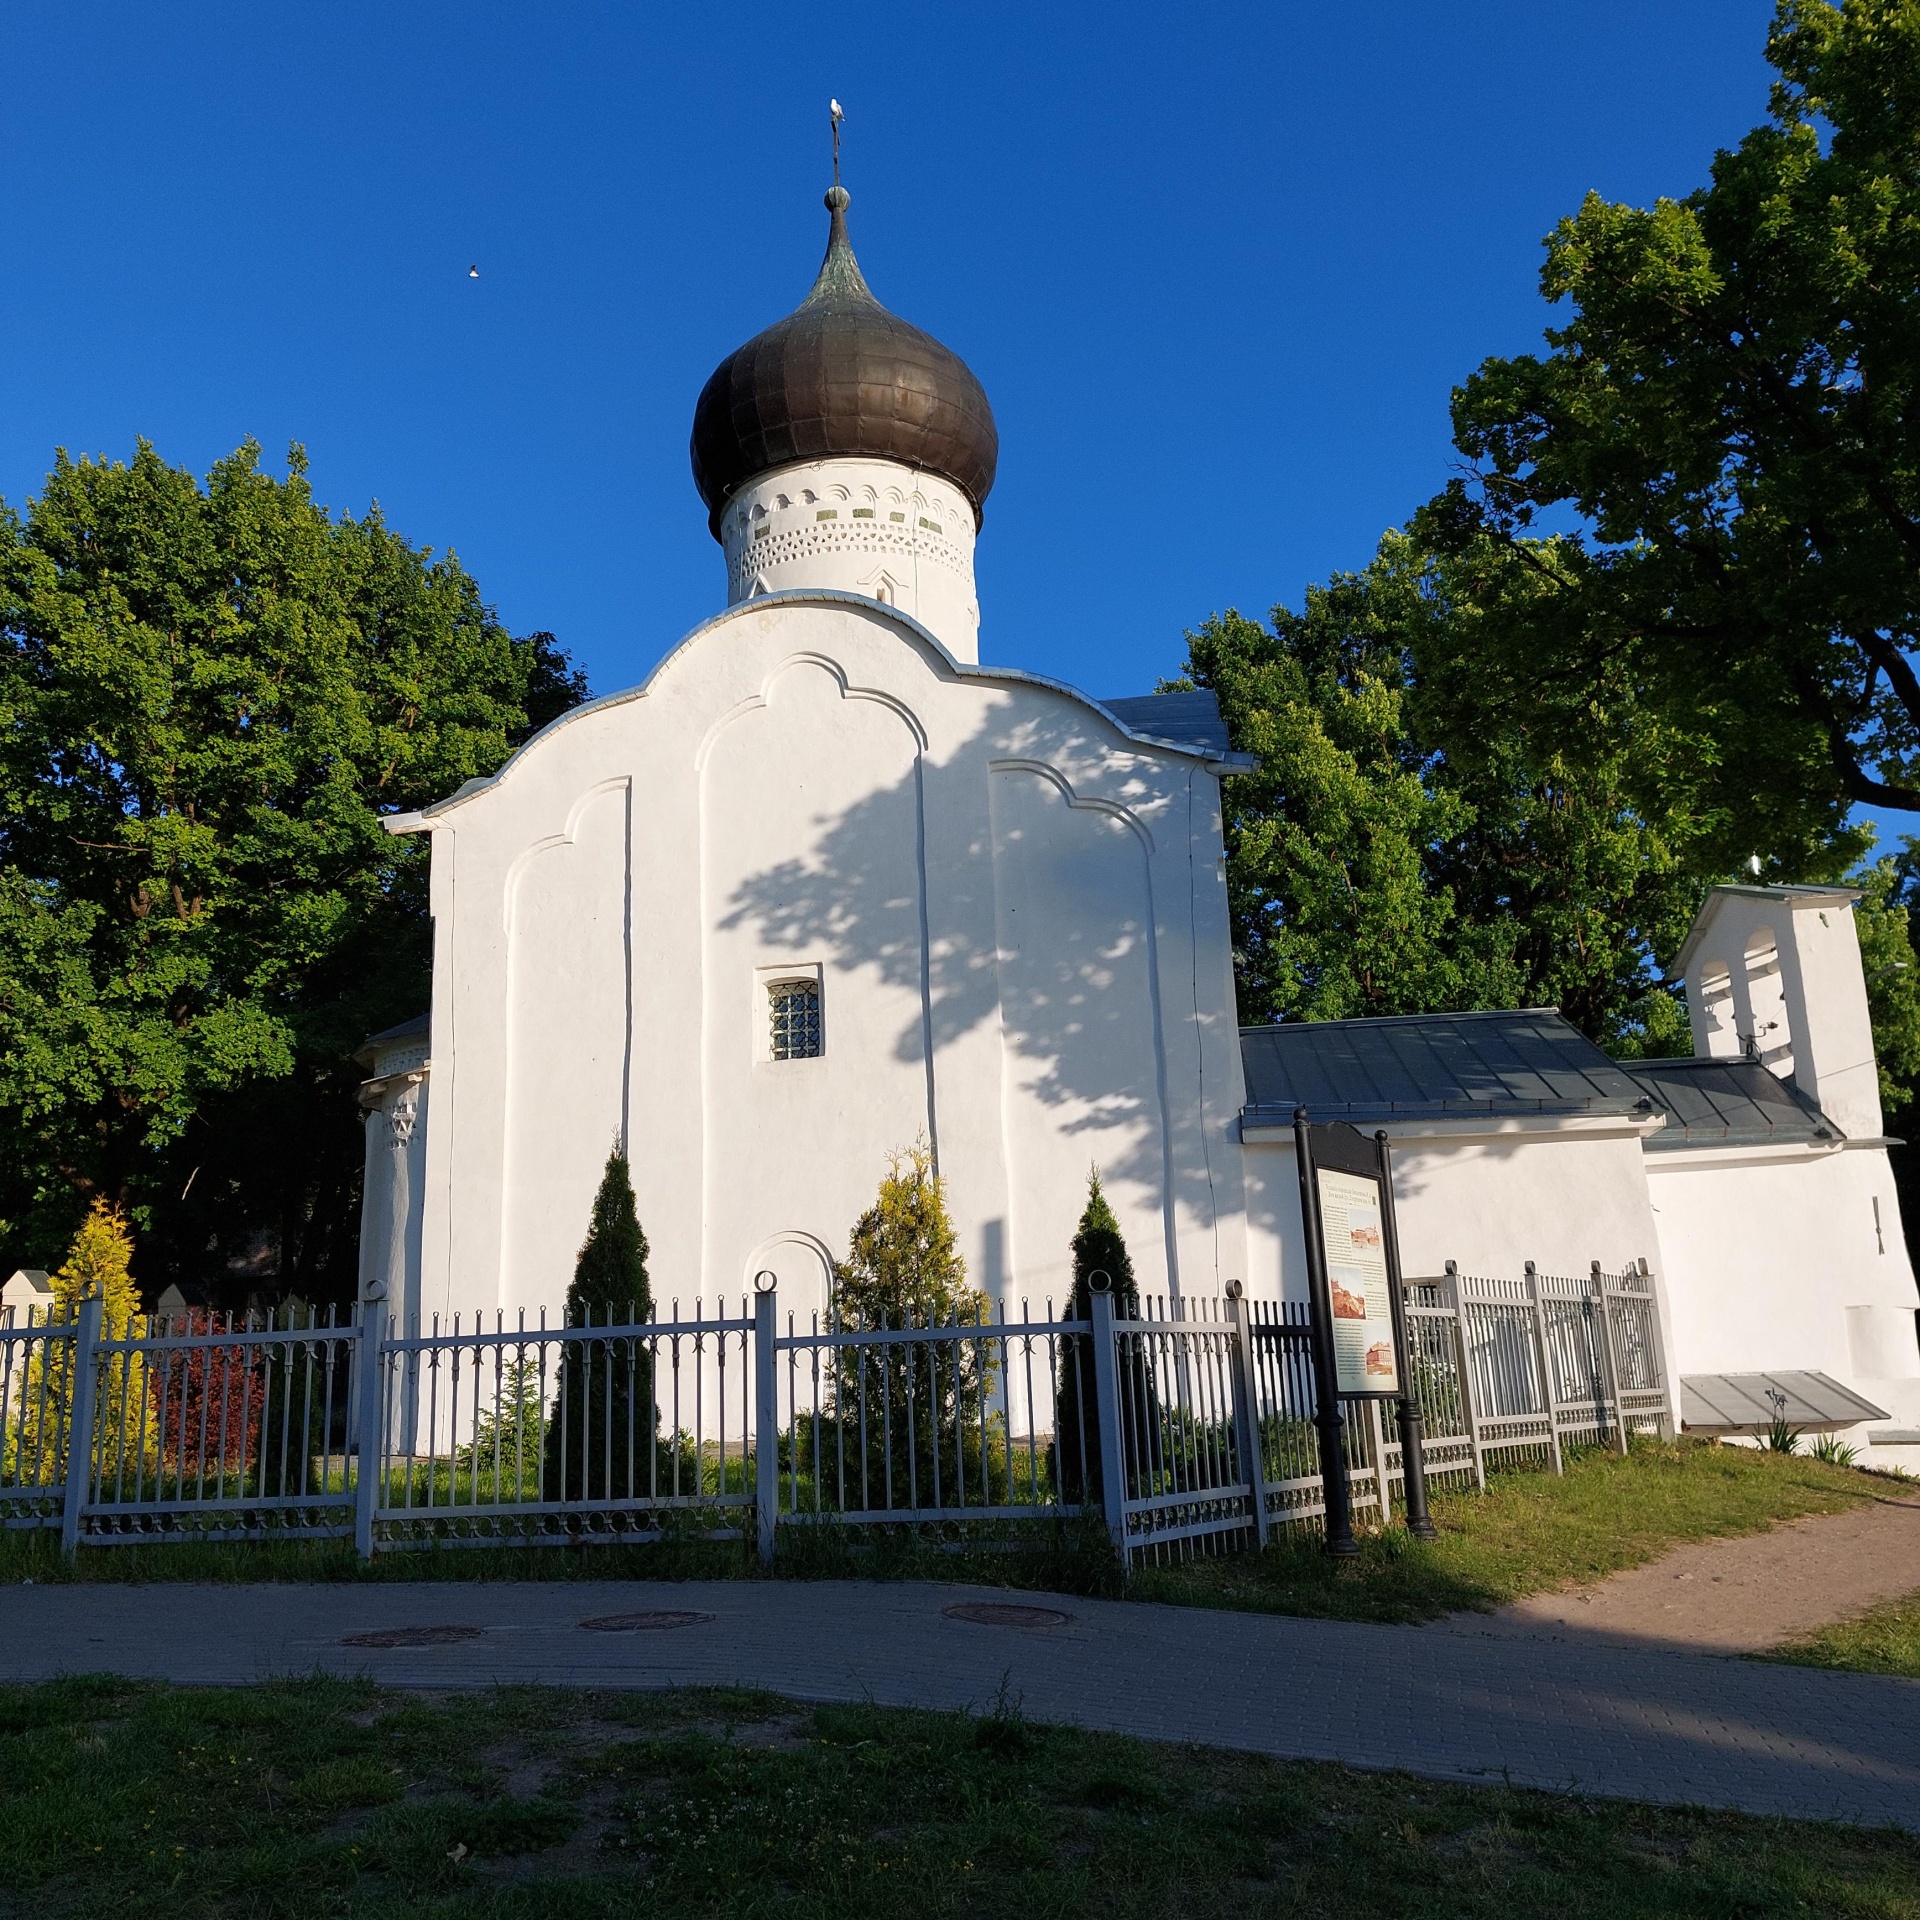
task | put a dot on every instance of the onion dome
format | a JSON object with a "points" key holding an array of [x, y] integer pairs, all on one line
{"points": [[840, 375]]}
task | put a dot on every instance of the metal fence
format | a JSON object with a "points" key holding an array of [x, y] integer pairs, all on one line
{"points": [[1186, 1426], [523, 1435], [933, 1421]]}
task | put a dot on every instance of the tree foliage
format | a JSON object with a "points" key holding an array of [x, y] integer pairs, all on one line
{"points": [[1729, 409], [1098, 1247], [903, 1261], [98, 1266], [601, 1433], [913, 1407], [1411, 843], [209, 699]]}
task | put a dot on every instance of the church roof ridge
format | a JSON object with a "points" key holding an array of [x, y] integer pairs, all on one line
{"points": [[420, 819]]}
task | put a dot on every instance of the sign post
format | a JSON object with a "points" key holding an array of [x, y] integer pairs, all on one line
{"points": [[1413, 1453], [1326, 1379], [1358, 1312]]}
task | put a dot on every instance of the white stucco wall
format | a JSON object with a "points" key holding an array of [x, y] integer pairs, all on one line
{"points": [[893, 533], [1776, 1259], [1561, 1195], [1016, 910]]}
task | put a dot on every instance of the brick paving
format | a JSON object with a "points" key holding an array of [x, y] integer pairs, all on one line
{"points": [[1455, 1701]]}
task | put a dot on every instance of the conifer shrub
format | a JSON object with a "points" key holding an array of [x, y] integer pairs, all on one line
{"points": [[1098, 1247], [923, 1429], [99, 1264], [603, 1426]]}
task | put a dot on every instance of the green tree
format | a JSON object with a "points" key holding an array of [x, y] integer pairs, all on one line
{"points": [[98, 1266], [1412, 844], [210, 697], [1334, 912], [1729, 410], [919, 1405], [601, 1432], [1098, 1247], [903, 1263]]}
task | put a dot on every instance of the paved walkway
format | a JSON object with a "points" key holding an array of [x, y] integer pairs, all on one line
{"points": [[1738, 1596], [1461, 1703]]}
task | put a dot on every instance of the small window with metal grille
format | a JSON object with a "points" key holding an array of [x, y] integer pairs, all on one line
{"points": [[794, 1006]]}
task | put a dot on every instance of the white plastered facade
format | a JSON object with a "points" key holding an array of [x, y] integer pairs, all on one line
{"points": [[1014, 910]]}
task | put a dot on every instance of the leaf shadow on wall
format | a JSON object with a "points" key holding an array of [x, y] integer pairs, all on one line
{"points": [[1039, 915]]}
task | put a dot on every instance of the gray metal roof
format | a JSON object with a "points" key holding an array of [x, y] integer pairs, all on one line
{"points": [[1188, 719], [1432, 1065], [420, 1027], [1749, 1402], [1732, 1103]]}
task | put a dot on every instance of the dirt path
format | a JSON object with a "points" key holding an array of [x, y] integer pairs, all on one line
{"points": [[1737, 1596]]}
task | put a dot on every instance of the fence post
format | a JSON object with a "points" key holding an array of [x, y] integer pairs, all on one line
{"points": [[1669, 1428], [1609, 1359], [1377, 1435], [1540, 1360], [83, 1387], [766, 1416], [1463, 1359], [369, 1381], [1106, 1400], [1246, 1407]]}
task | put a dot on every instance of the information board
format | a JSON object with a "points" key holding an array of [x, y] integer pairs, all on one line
{"points": [[1366, 1355]]}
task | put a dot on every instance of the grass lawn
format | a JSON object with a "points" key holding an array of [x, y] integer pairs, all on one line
{"points": [[1884, 1640], [1527, 1533], [330, 1798]]}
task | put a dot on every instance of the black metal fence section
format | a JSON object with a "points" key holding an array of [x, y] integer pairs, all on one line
{"points": [[934, 1420], [1187, 1426]]}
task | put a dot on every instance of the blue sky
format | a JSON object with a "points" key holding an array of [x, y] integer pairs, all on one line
{"points": [[1218, 268]]}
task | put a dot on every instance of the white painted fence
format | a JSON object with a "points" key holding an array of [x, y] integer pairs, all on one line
{"points": [[1185, 1427]]}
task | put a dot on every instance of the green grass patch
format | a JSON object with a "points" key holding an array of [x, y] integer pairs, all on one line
{"points": [[331, 1798], [1528, 1533], [1884, 1640], [1069, 1556]]}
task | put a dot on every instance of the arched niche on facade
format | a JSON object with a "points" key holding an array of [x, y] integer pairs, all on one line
{"points": [[802, 1268], [1769, 1030], [1714, 984]]}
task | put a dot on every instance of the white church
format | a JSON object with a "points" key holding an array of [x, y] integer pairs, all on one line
{"points": [[826, 886]]}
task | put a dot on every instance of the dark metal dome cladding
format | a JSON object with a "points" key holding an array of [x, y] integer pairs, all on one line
{"points": [[841, 375]]}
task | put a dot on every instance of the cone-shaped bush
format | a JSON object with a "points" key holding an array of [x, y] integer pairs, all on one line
{"points": [[99, 1265], [911, 1414], [1098, 1247], [904, 1262], [602, 1426]]}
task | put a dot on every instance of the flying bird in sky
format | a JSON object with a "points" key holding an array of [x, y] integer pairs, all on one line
{"points": [[473, 273]]}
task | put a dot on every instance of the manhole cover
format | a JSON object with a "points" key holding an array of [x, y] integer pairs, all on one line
{"points": [[994, 1613], [644, 1622], [412, 1637]]}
